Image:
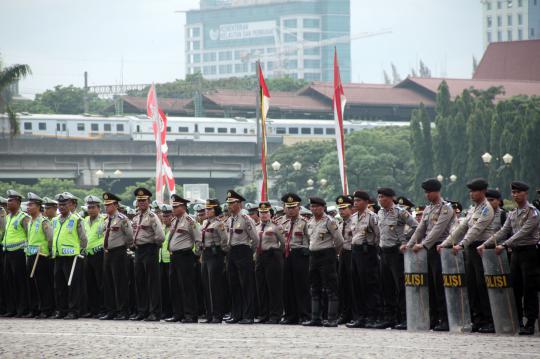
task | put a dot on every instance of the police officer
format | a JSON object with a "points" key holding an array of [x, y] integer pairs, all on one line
{"points": [[325, 242], [184, 234], [165, 262], [469, 235], [364, 263], [345, 208], [117, 238], [242, 241], [147, 238], [494, 198], [200, 212], [520, 233], [432, 230], [396, 226], [253, 212], [93, 265], [269, 267], [14, 242], [69, 243], [296, 267], [213, 244], [40, 235]]}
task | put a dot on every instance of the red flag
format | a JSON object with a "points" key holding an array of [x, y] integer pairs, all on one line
{"points": [[265, 105], [339, 102]]}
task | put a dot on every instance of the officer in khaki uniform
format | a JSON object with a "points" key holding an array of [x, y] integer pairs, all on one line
{"points": [[520, 233], [213, 245], [325, 242], [184, 233], [40, 235], [469, 235], [14, 243], [269, 267], [297, 301], [147, 239], [117, 238], [242, 241], [365, 263], [345, 208], [434, 227]]}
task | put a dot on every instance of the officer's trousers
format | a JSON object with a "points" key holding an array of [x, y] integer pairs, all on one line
{"points": [[297, 301], [437, 299], [345, 284], [183, 269], [115, 281], [269, 274], [42, 283], [365, 282], [393, 284], [16, 285], [166, 295], [93, 268], [213, 280], [147, 282], [241, 278], [524, 272], [476, 286], [67, 298]]}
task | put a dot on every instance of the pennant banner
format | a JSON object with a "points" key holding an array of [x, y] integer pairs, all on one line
{"points": [[265, 105], [339, 102]]}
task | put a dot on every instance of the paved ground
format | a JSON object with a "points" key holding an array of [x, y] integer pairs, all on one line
{"points": [[27, 338]]}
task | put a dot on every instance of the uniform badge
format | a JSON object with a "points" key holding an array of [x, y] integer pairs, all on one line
{"points": [[141, 193], [105, 196], [340, 200], [401, 201], [290, 199], [229, 194]]}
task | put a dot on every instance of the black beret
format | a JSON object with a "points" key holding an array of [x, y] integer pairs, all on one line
{"points": [[142, 193], [431, 185], [291, 199], [493, 193], [456, 205], [372, 204], [361, 195], [344, 201], [477, 184], [317, 200], [177, 200], [233, 196], [404, 201], [519, 186], [385, 191]]}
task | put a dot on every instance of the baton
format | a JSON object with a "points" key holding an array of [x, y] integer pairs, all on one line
{"points": [[73, 268], [35, 264]]}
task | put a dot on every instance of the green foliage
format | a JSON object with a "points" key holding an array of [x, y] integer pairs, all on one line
{"points": [[9, 76]]}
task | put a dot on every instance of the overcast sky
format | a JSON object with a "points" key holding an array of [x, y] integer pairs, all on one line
{"points": [[60, 39]]}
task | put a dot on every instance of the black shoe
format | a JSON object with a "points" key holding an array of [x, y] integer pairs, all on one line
{"points": [[59, 315], [246, 321], [215, 321], [173, 319], [9, 315], [87, 315], [486, 328], [313, 323], [151, 318], [272, 321], [30, 315], [108, 316], [288, 321], [43, 315], [261, 320], [71, 316], [206, 321], [343, 320], [401, 326], [528, 329], [137, 317], [189, 320], [442, 326], [382, 324], [330, 323], [227, 317], [121, 317], [232, 321], [356, 324]]}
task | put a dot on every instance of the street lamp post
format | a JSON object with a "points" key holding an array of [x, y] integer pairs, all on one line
{"points": [[506, 161], [276, 166]]}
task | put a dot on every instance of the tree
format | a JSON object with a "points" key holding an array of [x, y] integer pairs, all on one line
{"points": [[9, 76], [441, 148], [396, 78], [423, 70], [474, 65], [387, 80]]}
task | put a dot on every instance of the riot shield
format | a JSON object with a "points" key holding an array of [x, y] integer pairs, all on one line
{"points": [[416, 290], [455, 290], [501, 294]]}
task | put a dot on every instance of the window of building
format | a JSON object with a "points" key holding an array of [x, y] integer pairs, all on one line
{"points": [[520, 3], [240, 68], [107, 127], [312, 76], [209, 130], [312, 36], [290, 23], [489, 21], [225, 56], [531, 32], [80, 127], [238, 54], [221, 130], [305, 131], [42, 126], [510, 3], [209, 57], [209, 70], [499, 20], [94, 127], [291, 64], [195, 45], [195, 32], [168, 129], [183, 129], [232, 130], [499, 36], [138, 128], [119, 127], [57, 127], [281, 130], [312, 23], [520, 19], [499, 4], [28, 125], [312, 64], [330, 131], [488, 5], [509, 20], [225, 69], [489, 40], [270, 50], [312, 51], [293, 130], [318, 131], [509, 35], [520, 34], [196, 58], [290, 37]]}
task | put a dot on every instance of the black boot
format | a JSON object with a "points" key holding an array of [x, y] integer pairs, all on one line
{"points": [[528, 329], [333, 307], [316, 319]]}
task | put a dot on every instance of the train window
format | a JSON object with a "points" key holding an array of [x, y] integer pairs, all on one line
{"points": [[138, 128], [232, 130], [94, 127], [119, 127], [196, 128], [222, 130], [64, 127], [305, 131], [42, 126], [245, 131], [281, 130], [80, 127], [183, 129], [318, 131], [209, 130], [107, 127], [293, 130], [28, 125], [168, 129], [57, 127], [330, 131]]}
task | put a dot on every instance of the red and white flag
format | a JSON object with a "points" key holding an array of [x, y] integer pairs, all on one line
{"points": [[164, 174], [339, 102], [265, 105]]}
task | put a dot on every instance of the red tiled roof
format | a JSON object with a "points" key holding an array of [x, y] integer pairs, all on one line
{"points": [[511, 60], [456, 86], [168, 105], [371, 94]]}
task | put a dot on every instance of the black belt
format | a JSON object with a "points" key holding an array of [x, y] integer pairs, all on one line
{"points": [[390, 249], [115, 249], [182, 251], [529, 247]]}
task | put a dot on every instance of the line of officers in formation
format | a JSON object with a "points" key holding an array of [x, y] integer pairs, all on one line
{"points": [[291, 266]]}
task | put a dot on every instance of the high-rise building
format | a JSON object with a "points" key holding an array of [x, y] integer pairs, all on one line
{"points": [[510, 20], [296, 38]]}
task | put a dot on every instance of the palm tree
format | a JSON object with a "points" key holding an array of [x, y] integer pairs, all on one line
{"points": [[8, 76]]}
